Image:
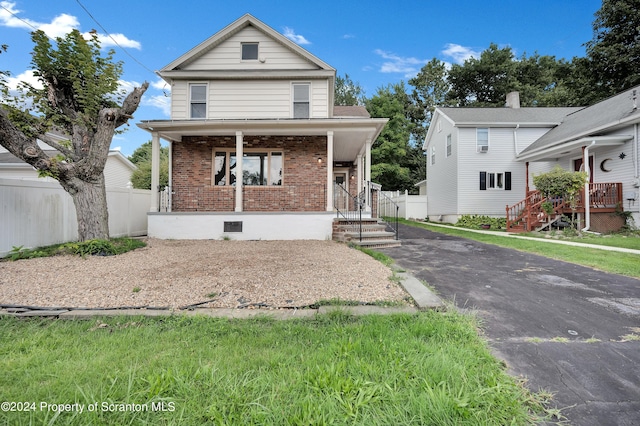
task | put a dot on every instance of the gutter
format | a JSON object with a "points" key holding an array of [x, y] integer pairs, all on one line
{"points": [[587, 199]]}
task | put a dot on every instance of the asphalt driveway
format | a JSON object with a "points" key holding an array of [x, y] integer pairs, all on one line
{"points": [[568, 329]]}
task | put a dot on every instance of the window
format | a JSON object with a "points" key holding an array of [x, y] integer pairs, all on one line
{"points": [[448, 145], [198, 100], [301, 100], [258, 168], [249, 51], [497, 181], [433, 155], [482, 140]]}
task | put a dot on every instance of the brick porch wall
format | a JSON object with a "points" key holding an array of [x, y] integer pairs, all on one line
{"points": [[303, 181]]}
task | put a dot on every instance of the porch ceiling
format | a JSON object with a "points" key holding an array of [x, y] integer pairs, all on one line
{"points": [[572, 148], [349, 134]]}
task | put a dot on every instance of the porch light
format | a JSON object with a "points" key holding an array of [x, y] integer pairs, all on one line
{"points": [[319, 160]]}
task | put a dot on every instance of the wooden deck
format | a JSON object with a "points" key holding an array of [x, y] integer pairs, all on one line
{"points": [[528, 215]]}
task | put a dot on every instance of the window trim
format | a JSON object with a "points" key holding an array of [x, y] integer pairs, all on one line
{"points": [[448, 145], [205, 103], [478, 146], [229, 151], [433, 155], [249, 43], [489, 181], [293, 100]]}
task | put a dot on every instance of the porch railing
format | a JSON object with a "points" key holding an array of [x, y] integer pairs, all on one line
{"points": [[528, 214], [349, 207]]}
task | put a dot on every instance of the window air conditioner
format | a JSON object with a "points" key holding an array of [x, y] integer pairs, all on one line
{"points": [[484, 149]]}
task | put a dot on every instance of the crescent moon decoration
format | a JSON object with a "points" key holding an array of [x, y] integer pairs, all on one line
{"points": [[603, 165]]}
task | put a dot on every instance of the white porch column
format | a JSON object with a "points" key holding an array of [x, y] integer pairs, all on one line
{"points": [[239, 155], [367, 173], [155, 171], [330, 171], [359, 175]]}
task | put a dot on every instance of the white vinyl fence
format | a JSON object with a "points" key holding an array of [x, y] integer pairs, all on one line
{"points": [[36, 214], [410, 206]]}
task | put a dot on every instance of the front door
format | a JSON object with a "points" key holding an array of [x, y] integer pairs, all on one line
{"points": [[340, 191]]}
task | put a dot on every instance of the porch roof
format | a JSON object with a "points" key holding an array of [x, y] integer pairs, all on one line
{"points": [[572, 148], [349, 134]]}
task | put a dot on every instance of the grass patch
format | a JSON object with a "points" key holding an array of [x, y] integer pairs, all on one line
{"points": [[619, 263], [424, 368], [111, 247], [380, 257]]}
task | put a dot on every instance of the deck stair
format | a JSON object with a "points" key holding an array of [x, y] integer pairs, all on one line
{"points": [[374, 233]]}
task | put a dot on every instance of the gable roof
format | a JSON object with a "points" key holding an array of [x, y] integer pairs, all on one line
{"points": [[499, 117], [538, 116], [350, 111], [234, 28], [605, 116]]}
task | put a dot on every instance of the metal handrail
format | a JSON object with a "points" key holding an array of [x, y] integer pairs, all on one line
{"points": [[346, 213], [397, 208]]}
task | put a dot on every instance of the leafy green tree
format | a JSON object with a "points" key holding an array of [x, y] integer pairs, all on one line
{"points": [[141, 157], [484, 81], [430, 89], [80, 98], [347, 92], [614, 51], [389, 153]]}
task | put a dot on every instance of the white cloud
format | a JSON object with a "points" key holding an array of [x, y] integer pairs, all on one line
{"points": [[160, 84], [116, 40], [27, 76], [409, 66], [296, 38], [58, 27], [459, 53], [161, 102]]}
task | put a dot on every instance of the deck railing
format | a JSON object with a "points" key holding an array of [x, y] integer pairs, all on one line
{"points": [[529, 213]]}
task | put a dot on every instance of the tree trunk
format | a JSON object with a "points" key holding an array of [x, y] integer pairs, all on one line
{"points": [[90, 199]]}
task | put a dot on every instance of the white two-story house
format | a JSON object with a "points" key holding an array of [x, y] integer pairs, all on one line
{"points": [[256, 145]]}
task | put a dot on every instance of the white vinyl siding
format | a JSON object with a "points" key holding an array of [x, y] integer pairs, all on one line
{"points": [[499, 159], [228, 55], [247, 99], [442, 184]]}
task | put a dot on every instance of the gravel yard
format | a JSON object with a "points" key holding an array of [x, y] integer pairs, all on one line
{"points": [[214, 274]]}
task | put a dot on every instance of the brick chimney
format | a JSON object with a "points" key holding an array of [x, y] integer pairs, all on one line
{"points": [[513, 100]]}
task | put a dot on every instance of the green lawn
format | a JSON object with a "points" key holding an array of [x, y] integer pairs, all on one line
{"points": [[425, 368], [609, 261]]}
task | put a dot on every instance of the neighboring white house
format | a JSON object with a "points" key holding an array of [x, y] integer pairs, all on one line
{"points": [[257, 149], [471, 157], [479, 160], [117, 170]]}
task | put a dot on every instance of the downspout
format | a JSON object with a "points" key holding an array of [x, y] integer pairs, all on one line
{"points": [[587, 199]]}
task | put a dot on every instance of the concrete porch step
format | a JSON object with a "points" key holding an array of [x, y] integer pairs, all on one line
{"points": [[372, 244]]}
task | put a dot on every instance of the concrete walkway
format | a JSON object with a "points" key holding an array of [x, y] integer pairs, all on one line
{"points": [[545, 240], [568, 329]]}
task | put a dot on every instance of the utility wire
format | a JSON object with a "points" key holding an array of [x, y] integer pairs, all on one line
{"points": [[113, 39]]}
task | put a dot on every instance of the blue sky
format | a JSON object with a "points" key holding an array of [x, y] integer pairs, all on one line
{"points": [[375, 42]]}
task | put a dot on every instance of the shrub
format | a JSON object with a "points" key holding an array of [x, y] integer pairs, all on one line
{"points": [[475, 221]]}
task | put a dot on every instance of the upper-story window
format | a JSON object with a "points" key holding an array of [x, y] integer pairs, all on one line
{"points": [[198, 100], [482, 139], [249, 51], [301, 100], [448, 145]]}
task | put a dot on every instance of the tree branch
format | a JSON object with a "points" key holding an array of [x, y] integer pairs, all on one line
{"points": [[58, 147], [130, 104]]}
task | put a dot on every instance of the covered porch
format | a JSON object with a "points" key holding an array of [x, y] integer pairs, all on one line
{"points": [[596, 204], [258, 179]]}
